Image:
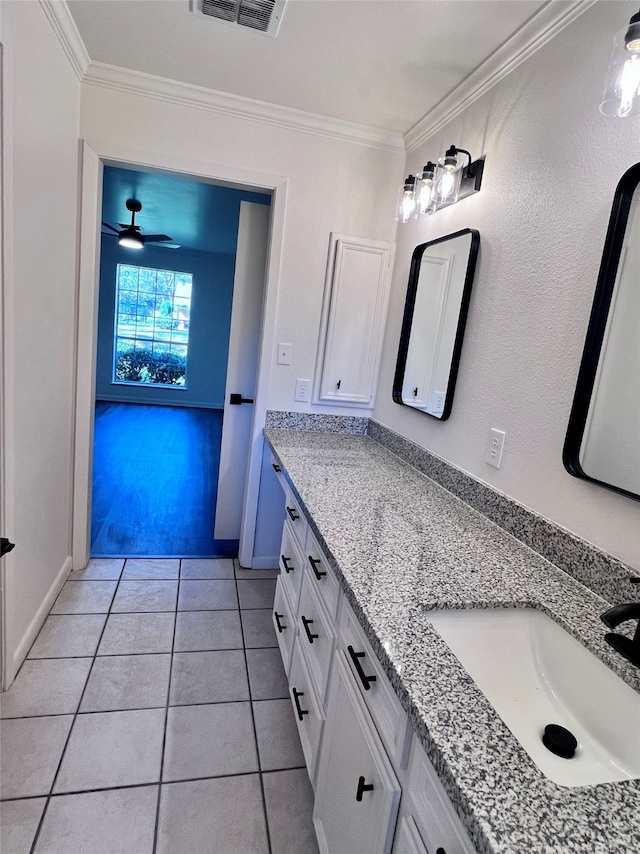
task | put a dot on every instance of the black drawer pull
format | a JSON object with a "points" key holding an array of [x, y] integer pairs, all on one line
{"points": [[5, 546], [440, 851], [306, 623], [313, 561], [366, 680], [276, 468], [362, 788], [278, 617], [285, 563], [296, 700], [292, 513]]}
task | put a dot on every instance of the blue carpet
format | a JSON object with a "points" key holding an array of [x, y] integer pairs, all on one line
{"points": [[155, 482]]}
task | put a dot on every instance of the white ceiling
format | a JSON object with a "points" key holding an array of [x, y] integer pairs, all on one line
{"points": [[379, 63]]}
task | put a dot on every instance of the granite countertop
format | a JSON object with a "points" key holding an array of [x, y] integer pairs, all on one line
{"points": [[401, 545]]}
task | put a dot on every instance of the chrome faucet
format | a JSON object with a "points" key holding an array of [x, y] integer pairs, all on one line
{"points": [[628, 647]]}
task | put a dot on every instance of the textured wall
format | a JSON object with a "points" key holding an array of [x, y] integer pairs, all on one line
{"points": [[41, 104], [552, 166]]}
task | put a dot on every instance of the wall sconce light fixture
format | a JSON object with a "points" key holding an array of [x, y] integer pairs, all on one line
{"points": [[622, 92], [439, 185], [406, 208]]}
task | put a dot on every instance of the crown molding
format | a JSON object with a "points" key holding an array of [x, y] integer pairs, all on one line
{"points": [[65, 28], [190, 95], [533, 34]]}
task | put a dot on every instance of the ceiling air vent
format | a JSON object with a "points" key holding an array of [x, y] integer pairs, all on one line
{"points": [[261, 15]]}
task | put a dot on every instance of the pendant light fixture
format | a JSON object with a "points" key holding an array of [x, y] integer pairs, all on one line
{"points": [[622, 93]]}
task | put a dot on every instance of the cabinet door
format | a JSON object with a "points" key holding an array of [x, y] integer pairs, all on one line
{"points": [[354, 310], [349, 816], [307, 708], [408, 840], [284, 624]]}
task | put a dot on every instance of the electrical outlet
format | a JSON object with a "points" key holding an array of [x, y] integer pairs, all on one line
{"points": [[303, 390], [284, 354], [495, 446]]}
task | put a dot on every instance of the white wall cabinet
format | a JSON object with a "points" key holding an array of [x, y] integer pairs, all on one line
{"points": [[353, 730], [353, 317]]}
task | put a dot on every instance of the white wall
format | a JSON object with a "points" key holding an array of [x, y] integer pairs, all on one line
{"points": [[552, 166], [333, 185], [41, 105]]}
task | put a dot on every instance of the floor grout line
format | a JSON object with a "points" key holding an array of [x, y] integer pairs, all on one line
{"points": [[253, 723], [166, 718], [75, 716]]}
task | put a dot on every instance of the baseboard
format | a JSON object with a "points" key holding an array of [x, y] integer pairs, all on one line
{"points": [[40, 616], [265, 562]]}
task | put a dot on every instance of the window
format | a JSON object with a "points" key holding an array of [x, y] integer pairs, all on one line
{"points": [[152, 326]]}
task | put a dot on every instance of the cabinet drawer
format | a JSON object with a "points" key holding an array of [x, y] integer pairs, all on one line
{"points": [[291, 566], [307, 709], [326, 583], [437, 821], [295, 517], [388, 715], [284, 623], [316, 634], [357, 793]]}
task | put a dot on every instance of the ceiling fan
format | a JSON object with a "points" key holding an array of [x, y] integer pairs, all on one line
{"points": [[131, 235]]}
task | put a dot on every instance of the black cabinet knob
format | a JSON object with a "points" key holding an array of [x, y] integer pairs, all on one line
{"points": [[362, 788], [285, 563], [278, 617], [276, 467], [292, 513]]}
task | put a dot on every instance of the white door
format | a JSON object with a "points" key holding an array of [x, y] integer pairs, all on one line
{"points": [[244, 340]]}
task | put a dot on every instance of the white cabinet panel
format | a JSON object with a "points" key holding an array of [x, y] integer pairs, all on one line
{"points": [[348, 815], [353, 318], [408, 840], [307, 708], [284, 623]]}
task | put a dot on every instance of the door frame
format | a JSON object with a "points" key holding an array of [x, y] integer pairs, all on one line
{"points": [[93, 157]]}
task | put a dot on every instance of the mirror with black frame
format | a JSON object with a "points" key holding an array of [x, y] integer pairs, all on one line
{"points": [[435, 314], [603, 437]]}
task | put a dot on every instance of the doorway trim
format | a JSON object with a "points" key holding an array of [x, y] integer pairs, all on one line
{"points": [[94, 157]]}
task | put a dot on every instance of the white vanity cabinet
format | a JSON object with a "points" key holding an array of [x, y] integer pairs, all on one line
{"points": [[354, 732]]}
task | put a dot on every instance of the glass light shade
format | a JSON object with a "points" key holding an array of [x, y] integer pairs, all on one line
{"points": [[406, 208], [447, 181], [622, 93], [425, 182]]}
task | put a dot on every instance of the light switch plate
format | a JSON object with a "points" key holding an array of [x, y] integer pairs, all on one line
{"points": [[284, 354], [495, 446]]}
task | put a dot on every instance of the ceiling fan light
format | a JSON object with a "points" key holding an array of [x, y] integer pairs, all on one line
{"points": [[131, 239]]}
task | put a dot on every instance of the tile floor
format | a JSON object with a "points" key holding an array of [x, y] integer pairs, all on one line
{"points": [[152, 715]]}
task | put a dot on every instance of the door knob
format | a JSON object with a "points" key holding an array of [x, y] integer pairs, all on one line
{"points": [[5, 546], [237, 399]]}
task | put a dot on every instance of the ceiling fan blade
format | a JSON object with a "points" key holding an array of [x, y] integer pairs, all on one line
{"points": [[106, 225], [157, 238], [164, 245]]}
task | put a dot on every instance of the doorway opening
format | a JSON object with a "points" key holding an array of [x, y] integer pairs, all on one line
{"points": [[166, 352]]}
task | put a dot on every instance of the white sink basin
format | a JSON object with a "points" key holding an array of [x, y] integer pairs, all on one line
{"points": [[534, 673]]}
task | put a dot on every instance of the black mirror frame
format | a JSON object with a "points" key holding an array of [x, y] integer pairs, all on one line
{"points": [[596, 329], [407, 320]]}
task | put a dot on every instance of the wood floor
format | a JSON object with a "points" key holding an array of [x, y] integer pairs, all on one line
{"points": [[155, 481]]}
